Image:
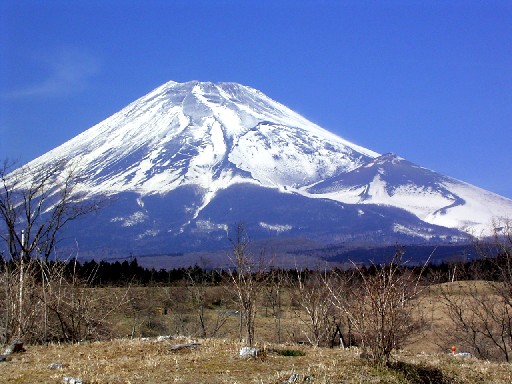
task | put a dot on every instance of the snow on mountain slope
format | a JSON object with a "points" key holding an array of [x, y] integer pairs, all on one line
{"points": [[432, 197], [205, 134], [179, 159]]}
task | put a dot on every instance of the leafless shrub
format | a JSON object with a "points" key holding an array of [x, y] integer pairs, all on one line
{"points": [[247, 282], [316, 311], [480, 320], [40, 300], [481, 310], [57, 304], [379, 306], [178, 300], [276, 283], [21, 307], [198, 287], [75, 311]]}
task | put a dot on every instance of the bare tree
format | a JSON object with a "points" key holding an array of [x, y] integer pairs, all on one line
{"points": [[480, 310], [35, 204], [379, 305], [247, 281], [75, 312], [274, 288], [199, 285], [21, 306], [316, 310], [480, 320]]}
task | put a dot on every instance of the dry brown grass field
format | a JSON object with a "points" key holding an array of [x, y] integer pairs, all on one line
{"points": [[134, 355], [217, 361]]}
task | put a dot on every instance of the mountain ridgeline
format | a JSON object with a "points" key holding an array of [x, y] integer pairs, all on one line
{"points": [[181, 165]]}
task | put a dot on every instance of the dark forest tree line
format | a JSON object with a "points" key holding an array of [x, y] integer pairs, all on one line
{"points": [[129, 272]]}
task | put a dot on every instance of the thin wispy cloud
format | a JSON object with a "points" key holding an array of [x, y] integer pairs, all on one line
{"points": [[68, 71]]}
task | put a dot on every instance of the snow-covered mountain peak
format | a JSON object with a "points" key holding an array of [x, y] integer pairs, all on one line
{"points": [[210, 135], [188, 160], [434, 198]]}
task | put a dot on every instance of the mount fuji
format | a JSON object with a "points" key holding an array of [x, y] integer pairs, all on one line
{"points": [[181, 165]]}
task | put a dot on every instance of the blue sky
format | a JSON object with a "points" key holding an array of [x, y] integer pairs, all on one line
{"points": [[428, 80]]}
